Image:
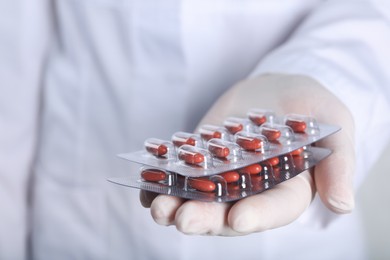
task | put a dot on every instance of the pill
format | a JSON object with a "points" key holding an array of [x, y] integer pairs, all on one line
{"points": [[191, 157], [277, 174], [271, 134], [233, 187], [153, 175], [297, 126], [249, 143], [300, 162], [234, 128], [219, 150], [297, 152], [251, 169], [273, 161], [231, 176], [201, 184], [208, 136], [258, 120], [157, 150], [182, 141], [257, 180]]}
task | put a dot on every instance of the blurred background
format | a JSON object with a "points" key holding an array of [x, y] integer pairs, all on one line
{"points": [[373, 199]]}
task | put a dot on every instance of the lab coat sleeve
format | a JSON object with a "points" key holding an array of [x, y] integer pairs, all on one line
{"points": [[23, 40], [344, 45]]}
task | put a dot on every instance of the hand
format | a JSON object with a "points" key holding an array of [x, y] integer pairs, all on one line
{"points": [[279, 206]]}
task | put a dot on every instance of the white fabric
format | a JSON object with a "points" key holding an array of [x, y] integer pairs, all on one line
{"points": [[22, 52], [119, 71]]}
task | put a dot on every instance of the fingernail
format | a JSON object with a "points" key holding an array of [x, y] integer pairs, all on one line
{"points": [[247, 222], [342, 205], [242, 224]]}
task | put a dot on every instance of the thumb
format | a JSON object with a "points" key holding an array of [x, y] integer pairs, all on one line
{"points": [[334, 175]]}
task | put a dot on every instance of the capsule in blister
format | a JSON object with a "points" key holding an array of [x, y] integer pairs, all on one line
{"points": [[302, 124], [277, 133], [263, 180], [276, 173], [297, 152], [157, 175], [251, 169], [302, 162], [267, 171], [224, 149], [182, 138], [153, 175], [213, 183], [201, 184], [273, 161], [195, 156], [231, 176], [208, 132], [251, 141], [245, 181], [220, 184], [287, 163], [236, 124], [158, 147], [260, 116], [301, 157]]}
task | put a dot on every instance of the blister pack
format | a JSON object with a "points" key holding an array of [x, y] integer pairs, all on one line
{"points": [[243, 157]]}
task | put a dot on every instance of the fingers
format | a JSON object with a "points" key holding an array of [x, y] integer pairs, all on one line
{"points": [[270, 209], [203, 218], [163, 209], [191, 217], [274, 208], [334, 176]]}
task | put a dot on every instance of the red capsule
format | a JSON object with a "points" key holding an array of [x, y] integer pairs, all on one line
{"points": [[258, 120], [153, 175], [251, 169], [201, 184], [234, 128], [157, 150], [300, 162], [233, 187], [273, 161], [271, 134], [249, 144], [277, 173], [182, 141], [207, 136], [257, 180], [191, 157], [219, 150], [297, 126], [230, 177], [297, 152]]}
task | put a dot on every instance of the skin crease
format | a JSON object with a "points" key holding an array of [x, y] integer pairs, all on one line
{"points": [[331, 178]]}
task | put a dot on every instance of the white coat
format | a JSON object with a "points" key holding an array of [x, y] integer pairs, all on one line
{"points": [[83, 80]]}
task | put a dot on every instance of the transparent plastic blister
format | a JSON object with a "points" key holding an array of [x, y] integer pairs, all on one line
{"points": [[302, 124], [254, 147], [244, 156], [227, 186]]}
